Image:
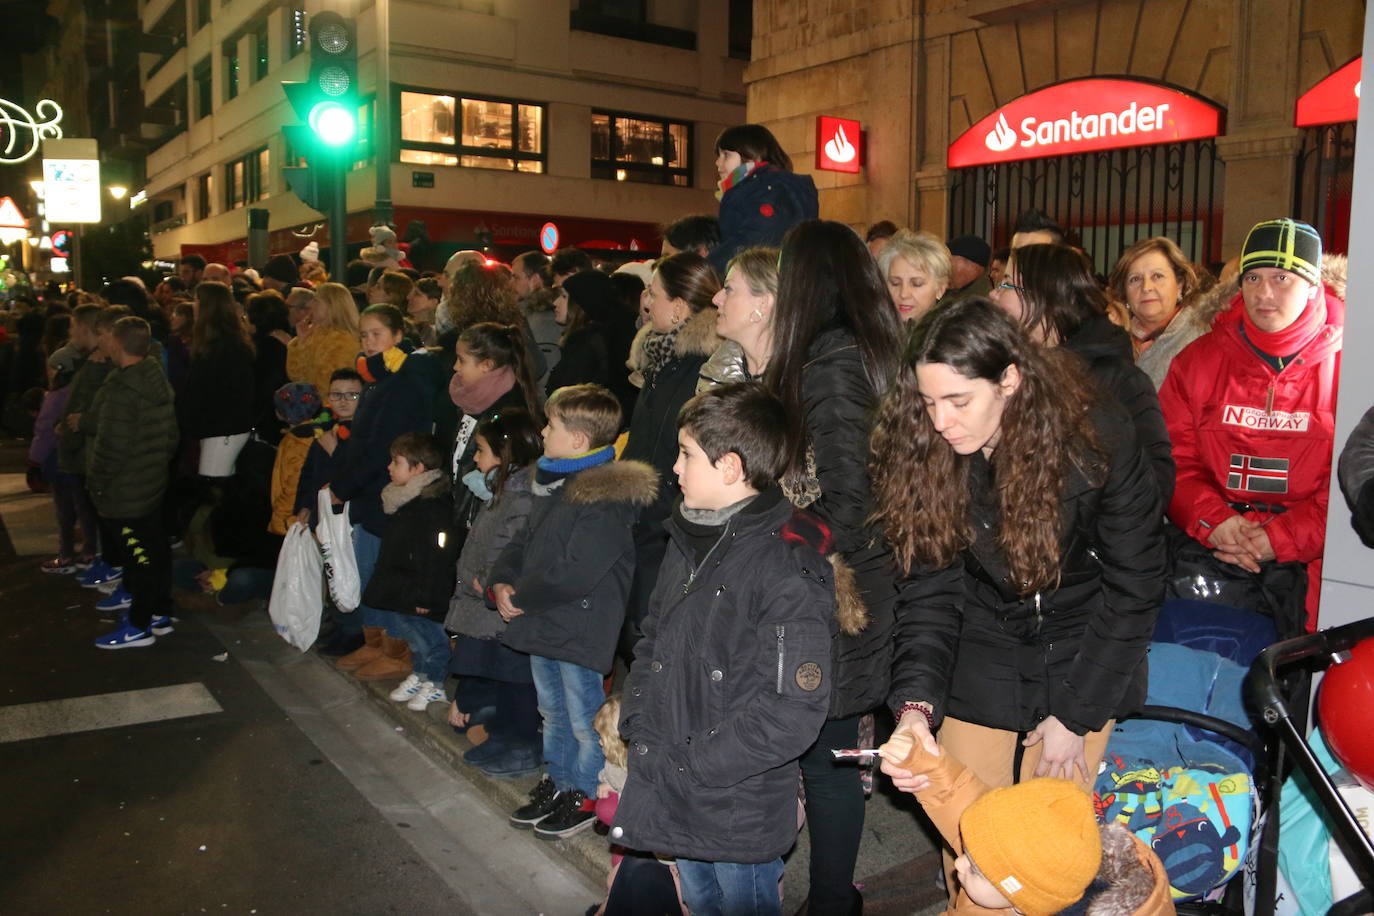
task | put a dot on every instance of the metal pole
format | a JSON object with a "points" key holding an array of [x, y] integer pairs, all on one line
{"points": [[381, 127], [76, 256], [338, 218]]}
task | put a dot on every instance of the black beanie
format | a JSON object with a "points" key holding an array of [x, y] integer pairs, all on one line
{"points": [[282, 269], [1285, 244]]}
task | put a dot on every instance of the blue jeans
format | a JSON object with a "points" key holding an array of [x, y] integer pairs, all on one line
{"points": [[727, 889], [569, 696], [428, 645], [366, 546]]}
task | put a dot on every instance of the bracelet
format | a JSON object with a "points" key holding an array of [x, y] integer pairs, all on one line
{"points": [[930, 716]]}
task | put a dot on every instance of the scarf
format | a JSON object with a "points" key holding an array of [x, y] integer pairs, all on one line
{"points": [[549, 472], [659, 349], [744, 170], [378, 366], [396, 495], [481, 394], [1291, 339]]}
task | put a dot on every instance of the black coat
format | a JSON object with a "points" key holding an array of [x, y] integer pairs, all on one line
{"points": [[419, 554], [968, 644], [592, 354], [839, 404], [729, 687], [759, 211], [1106, 349], [217, 399], [571, 564], [269, 374]]}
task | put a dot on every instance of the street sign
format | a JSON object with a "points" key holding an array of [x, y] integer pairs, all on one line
{"points": [[71, 179], [548, 238], [422, 179]]}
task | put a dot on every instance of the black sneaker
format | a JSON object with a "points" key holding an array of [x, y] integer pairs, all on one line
{"points": [[575, 813], [544, 798]]}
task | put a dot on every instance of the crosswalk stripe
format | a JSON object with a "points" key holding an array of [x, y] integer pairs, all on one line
{"points": [[26, 721]]}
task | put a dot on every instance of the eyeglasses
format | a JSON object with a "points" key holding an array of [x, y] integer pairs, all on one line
{"points": [[344, 395], [1011, 286]]}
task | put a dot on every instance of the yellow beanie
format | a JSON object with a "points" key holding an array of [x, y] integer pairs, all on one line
{"points": [[1037, 842]]}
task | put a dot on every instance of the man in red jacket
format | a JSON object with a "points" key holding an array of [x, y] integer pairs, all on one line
{"points": [[1251, 410]]}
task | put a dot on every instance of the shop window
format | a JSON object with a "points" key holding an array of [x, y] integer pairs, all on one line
{"points": [[634, 148], [470, 132], [260, 59], [204, 199], [245, 179], [204, 82], [230, 53]]}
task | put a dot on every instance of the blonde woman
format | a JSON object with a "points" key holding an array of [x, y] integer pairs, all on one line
{"points": [[917, 268], [327, 341]]}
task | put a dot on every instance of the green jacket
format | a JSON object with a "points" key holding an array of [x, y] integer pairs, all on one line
{"points": [[71, 444], [135, 436]]}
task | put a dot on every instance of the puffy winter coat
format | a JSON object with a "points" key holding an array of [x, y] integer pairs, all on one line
{"points": [[71, 443], [1246, 433], [729, 687], [571, 564], [416, 560], [134, 436], [218, 398], [975, 649], [495, 526], [316, 356], [286, 478], [759, 211]]}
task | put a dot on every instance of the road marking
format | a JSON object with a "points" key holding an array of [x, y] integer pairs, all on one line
{"points": [[26, 721]]}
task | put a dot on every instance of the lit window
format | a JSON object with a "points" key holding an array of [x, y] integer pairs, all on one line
{"points": [[635, 148], [472, 133]]}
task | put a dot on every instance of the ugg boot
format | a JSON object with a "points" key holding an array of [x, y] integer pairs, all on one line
{"points": [[371, 650], [394, 662]]}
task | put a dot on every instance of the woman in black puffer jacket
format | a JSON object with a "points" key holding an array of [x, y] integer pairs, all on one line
{"points": [[835, 349], [215, 406]]}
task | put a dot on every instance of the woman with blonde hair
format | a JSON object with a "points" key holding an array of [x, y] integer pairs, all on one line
{"points": [[1156, 284], [917, 268], [327, 341]]}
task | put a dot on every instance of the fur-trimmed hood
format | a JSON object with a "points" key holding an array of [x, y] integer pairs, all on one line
{"points": [[850, 612], [696, 337], [632, 482], [1216, 300], [1132, 879]]}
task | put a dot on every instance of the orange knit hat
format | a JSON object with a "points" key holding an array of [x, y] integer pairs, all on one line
{"points": [[1037, 842]]}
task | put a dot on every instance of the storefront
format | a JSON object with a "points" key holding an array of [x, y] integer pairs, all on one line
{"points": [[1326, 114], [1114, 160]]}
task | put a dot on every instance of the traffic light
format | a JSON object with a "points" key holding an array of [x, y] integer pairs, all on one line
{"points": [[327, 103]]}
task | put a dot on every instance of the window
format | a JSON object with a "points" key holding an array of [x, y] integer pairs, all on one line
{"points": [[296, 35], [260, 60], [202, 15], [633, 148], [204, 88], [230, 53], [669, 24], [473, 133], [204, 199], [245, 179]]}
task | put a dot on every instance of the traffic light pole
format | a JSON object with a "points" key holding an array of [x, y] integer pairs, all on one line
{"points": [[338, 219], [381, 128]]}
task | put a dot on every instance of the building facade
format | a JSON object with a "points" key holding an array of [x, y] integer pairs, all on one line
{"points": [[921, 74], [506, 114]]}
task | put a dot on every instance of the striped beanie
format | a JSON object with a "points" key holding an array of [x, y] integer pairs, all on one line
{"points": [[1285, 244]]}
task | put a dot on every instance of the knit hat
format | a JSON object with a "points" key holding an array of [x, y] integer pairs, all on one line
{"points": [[641, 270], [971, 248], [310, 252], [1286, 244], [1037, 842], [296, 402], [281, 268]]}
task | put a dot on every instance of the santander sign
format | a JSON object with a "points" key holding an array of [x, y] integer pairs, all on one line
{"points": [[1336, 98], [1084, 115], [839, 144]]}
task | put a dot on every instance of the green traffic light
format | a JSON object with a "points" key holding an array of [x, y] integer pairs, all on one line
{"points": [[334, 124]]}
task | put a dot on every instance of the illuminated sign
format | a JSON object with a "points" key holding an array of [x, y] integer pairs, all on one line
{"points": [[548, 238], [71, 178], [13, 226], [62, 242], [839, 144], [1333, 100], [1083, 115], [23, 132]]}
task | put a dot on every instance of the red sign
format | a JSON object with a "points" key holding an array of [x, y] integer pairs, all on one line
{"points": [[1333, 100], [1079, 116], [839, 144], [548, 238]]}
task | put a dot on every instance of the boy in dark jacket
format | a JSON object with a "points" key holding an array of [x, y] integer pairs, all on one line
{"points": [[561, 585], [416, 563], [135, 435], [732, 679]]}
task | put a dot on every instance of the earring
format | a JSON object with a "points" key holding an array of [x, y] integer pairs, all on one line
{"points": [[756, 316]]}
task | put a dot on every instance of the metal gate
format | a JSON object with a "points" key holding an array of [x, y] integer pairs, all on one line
{"points": [[1322, 186], [1109, 199]]}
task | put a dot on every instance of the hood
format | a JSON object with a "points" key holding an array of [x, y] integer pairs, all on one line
{"points": [[1099, 337], [1229, 323], [1128, 878], [696, 337], [595, 294], [1221, 299], [144, 378], [631, 482]]}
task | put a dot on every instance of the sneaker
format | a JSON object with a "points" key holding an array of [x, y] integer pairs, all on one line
{"points": [[489, 749], [61, 565], [515, 761], [406, 689], [119, 600], [544, 799], [575, 813], [429, 692], [161, 626], [101, 573], [126, 637]]}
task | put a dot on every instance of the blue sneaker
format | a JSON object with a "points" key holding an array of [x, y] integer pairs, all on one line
{"points": [[101, 573], [126, 637], [160, 626], [119, 600]]}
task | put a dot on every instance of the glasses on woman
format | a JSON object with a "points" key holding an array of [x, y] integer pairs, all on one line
{"points": [[344, 395], [1006, 284]]}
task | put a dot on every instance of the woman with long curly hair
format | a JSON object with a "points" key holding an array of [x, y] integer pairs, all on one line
{"points": [[216, 404], [1027, 524]]}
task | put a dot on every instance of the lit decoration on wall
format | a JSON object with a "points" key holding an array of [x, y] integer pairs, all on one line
{"points": [[24, 132]]}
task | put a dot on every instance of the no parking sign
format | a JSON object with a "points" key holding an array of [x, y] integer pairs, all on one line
{"points": [[548, 238]]}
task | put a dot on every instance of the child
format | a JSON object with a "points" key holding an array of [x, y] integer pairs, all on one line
{"points": [[135, 435], [414, 571], [731, 682], [71, 440], [561, 586], [345, 389], [68, 490], [495, 687], [297, 404], [1034, 848]]}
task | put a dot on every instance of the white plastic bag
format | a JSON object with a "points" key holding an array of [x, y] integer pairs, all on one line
{"points": [[297, 595], [340, 565]]}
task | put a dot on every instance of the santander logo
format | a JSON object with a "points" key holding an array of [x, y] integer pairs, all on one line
{"points": [[1001, 138], [839, 144], [838, 148]]}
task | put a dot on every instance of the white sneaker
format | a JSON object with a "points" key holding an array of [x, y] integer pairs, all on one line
{"points": [[428, 693], [407, 688]]}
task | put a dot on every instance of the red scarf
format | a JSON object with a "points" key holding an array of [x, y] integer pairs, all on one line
{"points": [[1291, 339], [486, 391]]}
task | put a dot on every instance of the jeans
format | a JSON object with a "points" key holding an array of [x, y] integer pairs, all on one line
{"points": [[147, 566], [834, 818], [569, 696], [428, 644], [727, 889], [366, 546], [73, 504], [242, 583]]}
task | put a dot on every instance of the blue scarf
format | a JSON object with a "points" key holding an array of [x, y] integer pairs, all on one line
{"points": [[548, 470]]}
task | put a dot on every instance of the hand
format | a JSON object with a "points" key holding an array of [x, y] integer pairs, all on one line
{"points": [[303, 517], [422, 610], [911, 730], [603, 790], [73, 421], [1257, 541], [477, 585], [1063, 751], [456, 717], [502, 593], [1231, 544], [329, 440]]}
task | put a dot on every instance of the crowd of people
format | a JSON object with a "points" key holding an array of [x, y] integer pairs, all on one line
{"points": [[781, 492]]}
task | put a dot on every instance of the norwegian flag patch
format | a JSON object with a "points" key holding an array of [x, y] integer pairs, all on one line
{"points": [[1258, 475]]}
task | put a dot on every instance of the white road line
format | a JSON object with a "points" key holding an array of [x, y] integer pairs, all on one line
{"points": [[26, 721]]}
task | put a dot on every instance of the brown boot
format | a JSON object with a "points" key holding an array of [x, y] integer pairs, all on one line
{"points": [[371, 650], [394, 663]]}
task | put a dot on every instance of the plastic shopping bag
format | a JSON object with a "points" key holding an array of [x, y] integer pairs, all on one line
{"points": [[336, 542], [297, 595]]}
